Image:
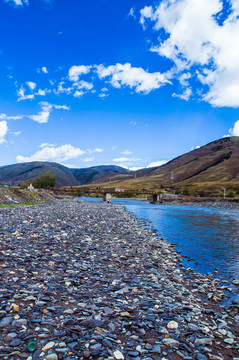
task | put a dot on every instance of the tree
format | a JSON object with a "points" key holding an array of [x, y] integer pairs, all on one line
{"points": [[47, 180]]}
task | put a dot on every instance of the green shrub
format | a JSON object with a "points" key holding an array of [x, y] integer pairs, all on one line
{"points": [[231, 194], [185, 191], [47, 180]]}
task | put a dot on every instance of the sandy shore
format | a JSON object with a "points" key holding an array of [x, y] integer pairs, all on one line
{"points": [[87, 281]]}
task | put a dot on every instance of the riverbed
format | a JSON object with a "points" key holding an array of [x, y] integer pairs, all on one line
{"points": [[88, 281], [208, 238]]}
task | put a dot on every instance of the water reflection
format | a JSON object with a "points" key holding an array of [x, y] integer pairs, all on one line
{"points": [[208, 236]]}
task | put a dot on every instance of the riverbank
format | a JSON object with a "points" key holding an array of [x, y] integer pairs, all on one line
{"points": [[220, 203], [87, 281], [11, 195]]}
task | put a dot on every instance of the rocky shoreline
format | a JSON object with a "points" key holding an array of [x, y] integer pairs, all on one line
{"points": [[228, 204], [87, 281]]}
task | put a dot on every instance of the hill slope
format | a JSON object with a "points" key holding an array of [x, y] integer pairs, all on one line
{"points": [[92, 174], [216, 162], [17, 174]]}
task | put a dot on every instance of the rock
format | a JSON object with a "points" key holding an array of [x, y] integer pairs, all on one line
{"points": [[172, 325], [118, 355], [48, 346], [203, 342], [52, 357], [229, 341], [96, 323], [171, 343], [6, 321]]}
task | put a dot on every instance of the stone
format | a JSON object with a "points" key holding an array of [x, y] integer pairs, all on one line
{"points": [[203, 342], [52, 357], [171, 342], [6, 321], [118, 355], [172, 325], [48, 346]]}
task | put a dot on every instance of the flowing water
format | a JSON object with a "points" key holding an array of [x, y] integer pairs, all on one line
{"points": [[208, 238]]}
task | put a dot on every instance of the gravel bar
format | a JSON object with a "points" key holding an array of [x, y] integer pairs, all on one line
{"points": [[87, 281]]}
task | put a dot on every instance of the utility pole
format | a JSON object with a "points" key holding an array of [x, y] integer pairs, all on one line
{"points": [[224, 192]]}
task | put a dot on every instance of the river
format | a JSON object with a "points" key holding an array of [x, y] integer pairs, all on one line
{"points": [[207, 238]]}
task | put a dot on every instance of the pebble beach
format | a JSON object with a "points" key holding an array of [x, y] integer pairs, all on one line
{"points": [[87, 281]]}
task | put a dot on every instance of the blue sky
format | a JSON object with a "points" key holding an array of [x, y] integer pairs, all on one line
{"points": [[130, 83]]}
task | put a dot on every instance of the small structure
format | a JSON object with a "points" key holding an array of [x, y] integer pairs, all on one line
{"points": [[119, 190], [31, 187], [107, 197]]}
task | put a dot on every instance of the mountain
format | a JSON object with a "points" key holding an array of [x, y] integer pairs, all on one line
{"points": [[17, 174], [213, 165], [92, 174], [20, 173]]}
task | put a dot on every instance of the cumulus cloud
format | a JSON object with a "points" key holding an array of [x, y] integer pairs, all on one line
{"points": [[126, 152], [43, 116], [125, 159], [200, 38], [185, 95], [78, 94], [49, 152], [6, 117], [18, 2], [21, 95], [41, 92], [44, 70], [132, 12], [235, 130], [76, 71], [134, 77], [89, 159], [157, 163], [3, 131], [31, 85]]}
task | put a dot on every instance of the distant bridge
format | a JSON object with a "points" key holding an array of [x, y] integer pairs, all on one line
{"points": [[106, 192]]}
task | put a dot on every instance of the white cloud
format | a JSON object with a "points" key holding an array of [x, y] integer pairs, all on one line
{"points": [[18, 2], [96, 150], [132, 12], [43, 116], [133, 123], [76, 71], [103, 96], [84, 85], [156, 163], [62, 89], [3, 131], [79, 94], [126, 152], [21, 95], [89, 159], [135, 168], [185, 95], [16, 133], [49, 152], [44, 70], [6, 117], [235, 130], [192, 38], [31, 85], [134, 77], [125, 159], [41, 92]]}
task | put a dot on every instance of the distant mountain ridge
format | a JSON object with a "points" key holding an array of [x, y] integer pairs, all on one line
{"points": [[17, 174], [212, 165], [215, 163]]}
